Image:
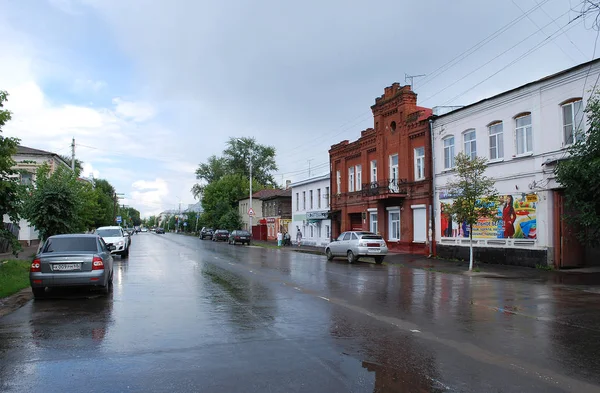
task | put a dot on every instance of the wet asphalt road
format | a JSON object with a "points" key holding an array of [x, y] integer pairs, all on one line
{"points": [[196, 316]]}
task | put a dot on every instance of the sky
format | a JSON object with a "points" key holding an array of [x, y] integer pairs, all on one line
{"points": [[150, 89]]}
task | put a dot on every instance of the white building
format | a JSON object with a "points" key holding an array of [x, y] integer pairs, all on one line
{"points": [[310, 211], [27, 161], [523, 132]]}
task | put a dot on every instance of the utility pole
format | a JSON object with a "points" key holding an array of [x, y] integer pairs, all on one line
{"points": [[251, 217], [73, 155]]}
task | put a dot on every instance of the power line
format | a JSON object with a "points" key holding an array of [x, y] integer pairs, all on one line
{"points": [[490, 61], [431, 76], [536, 47], [566, 35]]}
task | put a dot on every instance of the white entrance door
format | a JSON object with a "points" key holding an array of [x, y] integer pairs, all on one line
{"points": [[419, 225]]}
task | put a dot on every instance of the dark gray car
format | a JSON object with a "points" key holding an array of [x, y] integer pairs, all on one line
{"points": [[72, 260]]}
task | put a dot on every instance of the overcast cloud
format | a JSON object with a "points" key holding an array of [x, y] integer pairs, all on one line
{"points": [[151, 88]]}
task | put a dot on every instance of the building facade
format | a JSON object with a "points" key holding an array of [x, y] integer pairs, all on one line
{"points": [[523, 133], [310, 211], [277, 210], [382, 182], [27, 161]]}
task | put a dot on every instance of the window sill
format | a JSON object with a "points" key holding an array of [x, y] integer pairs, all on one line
{"points": [[524, 155], [420, 179], [419, 242], [393, 240], [495, 161], [448, 170]]}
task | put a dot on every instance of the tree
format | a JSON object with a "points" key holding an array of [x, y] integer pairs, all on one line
{"points": [[78, 163], [10, 200], [106, 200], [236, 160], [150, 221], [579, 174], [57, 203], [474, 194]]}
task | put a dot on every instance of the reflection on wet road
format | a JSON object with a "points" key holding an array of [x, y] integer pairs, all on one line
{"points": [[192, 315]]}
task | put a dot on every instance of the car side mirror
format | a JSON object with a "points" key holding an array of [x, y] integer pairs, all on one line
{"points": [[126, 234], [111, 247]]}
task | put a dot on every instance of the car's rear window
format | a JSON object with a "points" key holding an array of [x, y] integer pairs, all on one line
{"points": [[61, 244], [242, 233], [109, 232], [221, 231], [372, 237]]}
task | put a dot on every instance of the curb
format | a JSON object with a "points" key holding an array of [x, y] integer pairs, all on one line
{"points": [[15, 301]]}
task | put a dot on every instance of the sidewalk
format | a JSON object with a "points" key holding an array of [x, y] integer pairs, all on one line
{"points": [[585, 278], [25, 254]]}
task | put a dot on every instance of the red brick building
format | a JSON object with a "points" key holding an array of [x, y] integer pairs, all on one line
{"points": [[382, 182]]}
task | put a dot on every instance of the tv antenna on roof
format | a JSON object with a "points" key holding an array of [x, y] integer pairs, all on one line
{"points": [[411, 78]]}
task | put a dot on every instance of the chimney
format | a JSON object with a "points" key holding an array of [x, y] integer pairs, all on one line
{"points": [[288, 183]]}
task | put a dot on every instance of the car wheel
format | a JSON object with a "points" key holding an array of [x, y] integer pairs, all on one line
{"points": [[110, 280], [351, 257], [125, 254], [106, 289], [39, 293], [379, 260], [329, 254]]}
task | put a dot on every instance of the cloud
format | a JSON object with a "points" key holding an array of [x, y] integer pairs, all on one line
{"points": [[136, 111], [89, 171], [88, 85], [148, 196]]}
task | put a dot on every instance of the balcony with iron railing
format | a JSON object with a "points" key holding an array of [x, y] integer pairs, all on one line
{"points": [[381, 189]]}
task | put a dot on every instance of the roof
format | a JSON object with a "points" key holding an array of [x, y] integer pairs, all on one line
{"points": [[37, 152], [279, 194], [546, 78], [310, 180], [268, 194], [424, 113]]}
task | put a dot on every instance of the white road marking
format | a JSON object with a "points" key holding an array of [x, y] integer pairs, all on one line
{"points": [[415, 331], [297, 289], [324, 298], [230, 263]]}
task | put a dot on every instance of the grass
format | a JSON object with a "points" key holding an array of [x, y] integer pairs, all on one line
{"points": [[14, 276], [266, 245], [544, 267], [477, 270]]}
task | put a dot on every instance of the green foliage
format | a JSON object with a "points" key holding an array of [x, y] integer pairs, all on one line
{"points": [[235, 161], [10, 200], [59, 203], [130, 216], [78, 163], [105, 195], [474, 194], [150, 221], [172, 222], [544, 267], [580, 177], [14, 276]]}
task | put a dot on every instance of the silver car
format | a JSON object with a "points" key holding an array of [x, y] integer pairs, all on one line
{"points": [[356, 244], [72, 260]]}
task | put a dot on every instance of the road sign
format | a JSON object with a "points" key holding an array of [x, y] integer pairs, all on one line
{"points": [[119, 219], [251, 212], [185, 224]]}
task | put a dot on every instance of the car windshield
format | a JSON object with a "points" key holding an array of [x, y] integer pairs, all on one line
{"points": [[109, 232], [242, 233], [60, 244]]}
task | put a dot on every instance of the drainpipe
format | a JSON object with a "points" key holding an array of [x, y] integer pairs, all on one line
{"points": [[431, 231]]}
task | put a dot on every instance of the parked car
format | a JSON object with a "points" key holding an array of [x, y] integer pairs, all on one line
{"points": [[206, 233], [116, 236], [239, 236], [220, 234], [160, 231], [70, 261], [144, 229], [356, 244]]}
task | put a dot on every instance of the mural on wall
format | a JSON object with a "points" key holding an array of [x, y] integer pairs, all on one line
{"points": [[516, 219]]}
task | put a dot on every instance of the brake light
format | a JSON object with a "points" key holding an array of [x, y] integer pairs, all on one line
{"points": [[97, 263], [35, 266]]}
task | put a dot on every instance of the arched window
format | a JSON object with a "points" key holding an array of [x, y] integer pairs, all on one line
{"points": [[496, 134], [470, 143], [573, 126], [523, 133], [449, 152]]}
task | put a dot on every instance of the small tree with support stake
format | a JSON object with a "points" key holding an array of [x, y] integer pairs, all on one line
{"points": [[474, 194]]}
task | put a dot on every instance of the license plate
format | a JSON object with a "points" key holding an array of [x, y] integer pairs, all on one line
{"points": [[66, 267], [374, 250]]}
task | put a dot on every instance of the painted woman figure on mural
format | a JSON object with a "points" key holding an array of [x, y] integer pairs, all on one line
{"points": [[508, 217]]}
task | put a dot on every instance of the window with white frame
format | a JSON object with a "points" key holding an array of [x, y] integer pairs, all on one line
{"points": [[573, 121], [449, 152], [358, 177], [373, 171], [303, 200], [394, 225], [297, 201], [327, 233], [318, 198], [311, 199], [327, 196], [351, 179], [373, 222], [470, 142], [338, 179], [524, 134], [312, 231], [419, 163], [496, 141]]}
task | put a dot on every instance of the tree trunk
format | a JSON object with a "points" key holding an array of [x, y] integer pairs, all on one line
{"points": [[470, 247]]}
